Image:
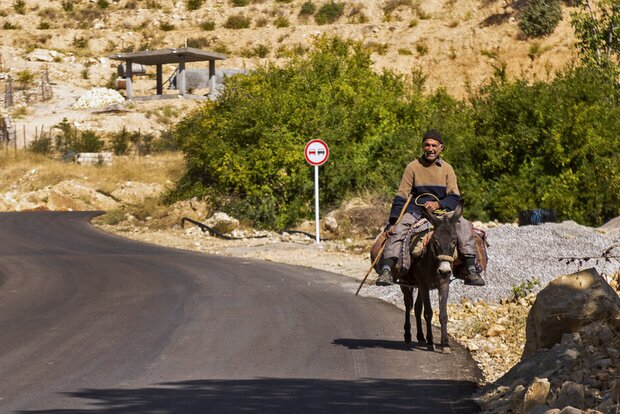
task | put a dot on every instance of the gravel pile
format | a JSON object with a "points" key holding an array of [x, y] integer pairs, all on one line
{"points": [[519, 254], [98, 97]]}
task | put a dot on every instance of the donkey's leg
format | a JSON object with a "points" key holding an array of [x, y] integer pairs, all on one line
{"points": [[444, 289], [408, 299], [428, 317], [418, 318]]}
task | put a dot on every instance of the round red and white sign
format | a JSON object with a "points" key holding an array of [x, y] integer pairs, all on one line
{"points": [[316, 152]]}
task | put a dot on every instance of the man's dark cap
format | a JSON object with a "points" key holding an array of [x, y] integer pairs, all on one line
{"points": [[434, 134]]}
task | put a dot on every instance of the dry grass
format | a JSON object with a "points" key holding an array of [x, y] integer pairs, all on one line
{"points": [[26, 171]]}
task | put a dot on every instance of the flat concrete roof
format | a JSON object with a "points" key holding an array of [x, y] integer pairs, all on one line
{"points": [[165, 56]]}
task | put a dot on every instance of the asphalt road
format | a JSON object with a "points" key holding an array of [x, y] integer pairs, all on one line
{"points": [[93, 323]]}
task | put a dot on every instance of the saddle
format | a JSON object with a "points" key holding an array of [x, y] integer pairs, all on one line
{"points": [[482, 255], [416, 243]]}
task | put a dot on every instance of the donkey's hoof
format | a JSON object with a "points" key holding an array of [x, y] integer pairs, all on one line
{"points": [[446, 349], [407, 338], [421, 343], [430, 347]]}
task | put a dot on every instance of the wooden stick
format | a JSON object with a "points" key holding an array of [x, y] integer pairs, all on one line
{"points": [[402, 213]]}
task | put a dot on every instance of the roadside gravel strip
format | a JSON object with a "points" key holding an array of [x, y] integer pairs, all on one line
{"points": [[518, 254]]}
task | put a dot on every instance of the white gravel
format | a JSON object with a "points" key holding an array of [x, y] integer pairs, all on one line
{"points": [[518, 254]]}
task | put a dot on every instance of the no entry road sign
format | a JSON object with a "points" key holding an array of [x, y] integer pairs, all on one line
{"points": [[316, 152]]}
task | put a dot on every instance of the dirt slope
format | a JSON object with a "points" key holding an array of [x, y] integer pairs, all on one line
{"points": [[457, 45]]}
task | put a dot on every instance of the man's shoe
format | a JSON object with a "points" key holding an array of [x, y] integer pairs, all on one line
{"points": [[385, 278], [474, 279]]}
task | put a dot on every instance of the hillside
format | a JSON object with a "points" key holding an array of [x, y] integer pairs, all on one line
{"points": [[455, 45]]}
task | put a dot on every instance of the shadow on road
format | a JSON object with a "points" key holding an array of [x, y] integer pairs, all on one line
{"points": [[268, 395], [352, 343]]}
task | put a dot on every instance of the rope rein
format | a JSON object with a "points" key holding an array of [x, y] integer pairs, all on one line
{"points": [[439, 211]]}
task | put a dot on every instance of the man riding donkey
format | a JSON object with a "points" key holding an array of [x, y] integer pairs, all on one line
{"points": [[431, 183]]}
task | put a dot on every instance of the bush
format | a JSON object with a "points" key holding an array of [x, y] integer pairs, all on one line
{"points": [[67, 5], [307, 9], [103, 4], [120, 142], [554, 146], [166, 27], [193, 4], [246, 149], [207, 25], [237, 22], [240, 3], [281, 21], [540, 17], [88, 141], [198, 42], [70, 139], [41, 145], [329, 13], [80, 42], [19, 6]]}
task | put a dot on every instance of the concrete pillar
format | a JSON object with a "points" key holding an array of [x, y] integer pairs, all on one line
{"points": [[211, 77], [181, 78], [159, 79], [128, 75]]}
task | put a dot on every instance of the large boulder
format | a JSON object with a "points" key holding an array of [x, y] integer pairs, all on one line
{"points": [[567, 304]]}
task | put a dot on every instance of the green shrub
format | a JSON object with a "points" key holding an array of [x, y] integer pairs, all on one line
{"points": [[540, 17], [240, 3], [193, 4], [103, 4], [25, 78], [120, 142], [207, 25], [554, 146], [281, 21], [199, 42], [19, 6], [7, 25], [246, 149], [80, 42], [392, 5], [166, 27], [238, 21], [67, 5], [70, 139], [307, 9], [88, 141], [329, 13], [41, 145]]}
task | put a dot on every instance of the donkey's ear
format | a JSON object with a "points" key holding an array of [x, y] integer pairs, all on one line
{"points": [[433, 219], [458, 212]]}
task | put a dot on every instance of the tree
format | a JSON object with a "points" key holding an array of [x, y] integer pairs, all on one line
{"points": [[596, 26]]}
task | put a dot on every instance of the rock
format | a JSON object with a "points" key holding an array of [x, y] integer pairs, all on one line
{"points": [[565, 305], [536, 394], [571, 338], [42, 55], [222, 222], [495, 330], [330, 223], [540, 409], [571, 394], [571, 410]]}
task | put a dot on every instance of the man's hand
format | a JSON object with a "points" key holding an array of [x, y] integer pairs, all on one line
{"points": [[431, 206]]}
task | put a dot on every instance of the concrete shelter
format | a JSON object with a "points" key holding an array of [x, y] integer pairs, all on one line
{"points": [[179, 56]]}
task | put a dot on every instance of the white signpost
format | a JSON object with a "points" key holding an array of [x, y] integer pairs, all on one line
{"points": [[316, 153]]}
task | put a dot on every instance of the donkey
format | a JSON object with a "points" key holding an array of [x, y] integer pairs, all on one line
{"points": [[432, 271]]}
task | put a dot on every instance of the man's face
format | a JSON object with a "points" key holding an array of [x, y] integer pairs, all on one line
{"points": [[432, 149]]}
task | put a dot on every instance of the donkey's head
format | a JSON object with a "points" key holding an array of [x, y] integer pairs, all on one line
{"points": [[443, 243]]}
